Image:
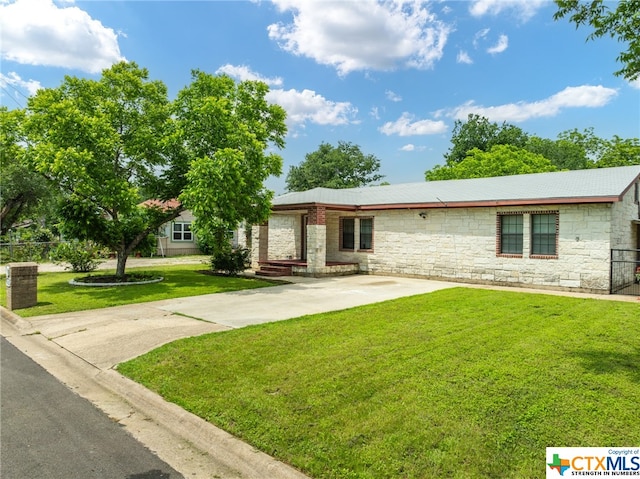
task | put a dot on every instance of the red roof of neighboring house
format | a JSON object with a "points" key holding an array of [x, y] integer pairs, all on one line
{"points": [[164, 205]]}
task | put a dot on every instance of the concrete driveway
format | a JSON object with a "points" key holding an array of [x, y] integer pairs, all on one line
{"points": [[109, 336]]}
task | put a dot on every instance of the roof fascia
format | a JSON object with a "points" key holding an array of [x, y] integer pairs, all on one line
{"points": [[456, 204], [477, 204]]}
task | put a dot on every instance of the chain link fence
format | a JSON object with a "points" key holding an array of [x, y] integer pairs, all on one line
{"points": [[26, 251]]}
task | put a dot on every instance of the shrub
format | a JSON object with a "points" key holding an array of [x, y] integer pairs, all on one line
{"points": [[82, 256], [230, 261], [147, 246]]}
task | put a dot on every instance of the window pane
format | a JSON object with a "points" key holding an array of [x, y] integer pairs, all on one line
{"points": [[543, 234], [366, 233], [348, 227], [511, 234]]}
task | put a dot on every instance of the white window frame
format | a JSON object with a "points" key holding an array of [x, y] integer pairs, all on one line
{"points": [[182, 229]]}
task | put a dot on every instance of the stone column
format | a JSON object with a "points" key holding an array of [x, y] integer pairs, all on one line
{"points": [[259, 244], [316, 240], [22, 285]]}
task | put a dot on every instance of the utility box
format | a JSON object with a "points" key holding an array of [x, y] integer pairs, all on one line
{"points": [[22, 285]]}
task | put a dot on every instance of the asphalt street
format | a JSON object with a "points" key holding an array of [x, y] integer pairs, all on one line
{"points": [[49, 432]]}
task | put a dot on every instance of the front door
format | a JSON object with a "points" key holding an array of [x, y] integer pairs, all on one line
{"points": [[303, 238]]}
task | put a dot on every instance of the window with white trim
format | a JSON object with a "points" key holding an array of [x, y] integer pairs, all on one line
{"points": [[182, 232]]}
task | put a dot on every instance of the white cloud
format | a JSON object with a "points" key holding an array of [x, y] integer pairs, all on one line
{"points": [[463, 57], [524, 9], [392, 96], [412, 147], [406, 126], [585, 96], [635, 83], [38, 32], [302, 107], [362, 35], [374, 113], [308, 106], [480, 35], [503, 43], [243, 73], [14, 80]]}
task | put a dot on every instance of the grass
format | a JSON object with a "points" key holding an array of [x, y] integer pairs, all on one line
{"points": [[460, 383], [56, 295]]}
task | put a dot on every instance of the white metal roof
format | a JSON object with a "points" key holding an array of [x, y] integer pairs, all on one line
{"points": [[602, 184]]}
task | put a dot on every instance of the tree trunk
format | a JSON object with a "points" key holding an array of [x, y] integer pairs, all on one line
{"points": [[122, 262]]}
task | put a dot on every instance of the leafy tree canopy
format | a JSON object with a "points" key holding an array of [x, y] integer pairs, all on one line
{"points": [[21, 190], [478, 132], [344, 166], [105, 141], [500, 160], [227, 129], [572, 150], [101, 141], [622, 23], [620, 152]]}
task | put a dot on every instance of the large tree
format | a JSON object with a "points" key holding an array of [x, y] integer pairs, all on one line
{"points": [[500, 160], [344, 166], [227, 130], [621, 22], [102, 141], [21, 189], [563, 153], [478, 132], [620, 152], [106, 141]]}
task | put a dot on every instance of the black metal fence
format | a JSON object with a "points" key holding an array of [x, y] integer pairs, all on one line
{"points": [[625, 271]]}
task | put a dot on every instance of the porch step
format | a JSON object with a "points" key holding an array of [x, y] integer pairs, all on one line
{"points": [[273, 270]]}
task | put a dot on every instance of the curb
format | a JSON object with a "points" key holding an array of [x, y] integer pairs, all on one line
{"points": [[228, 451], [17, 321], [191, 445]]}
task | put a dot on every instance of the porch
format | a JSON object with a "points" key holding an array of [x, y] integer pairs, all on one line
{"points": [[299, 267]]}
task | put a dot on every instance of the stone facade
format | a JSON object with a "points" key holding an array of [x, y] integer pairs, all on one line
{"points": [[460, 244]]}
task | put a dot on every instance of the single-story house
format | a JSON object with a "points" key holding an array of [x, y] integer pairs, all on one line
{"points": [[547, 230]]}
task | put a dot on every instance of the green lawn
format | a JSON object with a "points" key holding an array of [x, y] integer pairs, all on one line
{"points": [[460, 383], [56, 295]]}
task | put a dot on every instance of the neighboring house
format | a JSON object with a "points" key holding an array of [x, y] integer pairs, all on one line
{"points": [[547, 230], [175, 237]]}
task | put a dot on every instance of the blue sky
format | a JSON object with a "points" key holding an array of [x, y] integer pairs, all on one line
{"points": [[390, 76]]}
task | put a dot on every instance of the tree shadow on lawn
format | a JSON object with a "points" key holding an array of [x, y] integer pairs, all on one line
{"points": [[608, 362]]}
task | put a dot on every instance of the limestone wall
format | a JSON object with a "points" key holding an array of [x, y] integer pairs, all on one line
{"points": [[460, 244]]}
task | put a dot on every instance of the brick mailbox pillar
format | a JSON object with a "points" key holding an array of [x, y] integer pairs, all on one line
{"points": [[22, 285]]}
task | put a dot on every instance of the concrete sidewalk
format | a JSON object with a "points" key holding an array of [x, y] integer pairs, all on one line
{"points": [[82, 348]]}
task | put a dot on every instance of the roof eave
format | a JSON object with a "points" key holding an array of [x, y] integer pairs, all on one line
{"points": [[453, 204]]}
